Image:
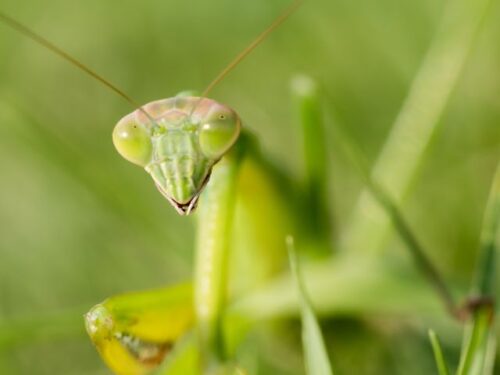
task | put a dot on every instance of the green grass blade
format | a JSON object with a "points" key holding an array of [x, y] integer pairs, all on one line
{"points": [[475, 350], [316, 356], [438, 354], [480, 340], [485, 278], [490, 357], [417, 121], [419, 255], [306, 95]]}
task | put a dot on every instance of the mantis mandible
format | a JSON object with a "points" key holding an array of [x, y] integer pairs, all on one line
{"points": [[196, 151]]}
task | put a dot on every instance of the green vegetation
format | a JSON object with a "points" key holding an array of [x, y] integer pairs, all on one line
{"points": [[394, 211]]}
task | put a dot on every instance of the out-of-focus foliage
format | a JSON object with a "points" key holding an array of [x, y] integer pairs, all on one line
{"points": [[78, 224], [315, 353]]}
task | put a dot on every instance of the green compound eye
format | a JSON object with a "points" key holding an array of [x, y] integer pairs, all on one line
{"points": [[133, 142], [218, 133]]}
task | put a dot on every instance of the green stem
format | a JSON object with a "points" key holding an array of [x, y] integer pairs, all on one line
{"points": [[421, 260], [315, 353], [438, 354], [479, 342], [214, 227], [423, 263], [485, 277], [473, 357], [315, 203]]}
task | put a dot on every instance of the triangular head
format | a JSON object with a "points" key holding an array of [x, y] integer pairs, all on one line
{"points": [[178, 141]]}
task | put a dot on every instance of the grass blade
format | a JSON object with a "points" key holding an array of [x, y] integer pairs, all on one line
{"points": [[316, 356], [417, 121], [485, 278], [401, 226], [315, 205], [480, 341], [438, 354], [475, 350]]}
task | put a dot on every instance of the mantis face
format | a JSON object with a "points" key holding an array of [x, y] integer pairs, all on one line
{"points": [[188, 136]]}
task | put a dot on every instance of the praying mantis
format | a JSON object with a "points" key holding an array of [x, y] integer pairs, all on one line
{"points": [[197, 153], [236, 196]]}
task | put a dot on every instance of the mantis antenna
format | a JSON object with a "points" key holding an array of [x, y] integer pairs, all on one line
{"points": [[58, 51], [233, 64]]}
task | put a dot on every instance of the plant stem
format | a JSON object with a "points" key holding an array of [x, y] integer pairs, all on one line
{"points": [[315, 203], [476, 345], [315, 353], [423, 263], [420, 258], [485, 278], [480, 340], [438, 354]]}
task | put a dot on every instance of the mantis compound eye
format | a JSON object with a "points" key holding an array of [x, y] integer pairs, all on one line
{"points": [[133, 142], [219, 132]]}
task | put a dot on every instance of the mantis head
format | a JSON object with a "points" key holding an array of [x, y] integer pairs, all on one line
{"points": [[178, 141]]}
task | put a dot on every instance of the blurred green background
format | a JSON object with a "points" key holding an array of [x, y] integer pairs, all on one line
{"points": [[78, 223]]}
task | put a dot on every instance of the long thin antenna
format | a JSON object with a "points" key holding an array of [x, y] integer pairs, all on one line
{"points": [[282, 18], [58, 51]]}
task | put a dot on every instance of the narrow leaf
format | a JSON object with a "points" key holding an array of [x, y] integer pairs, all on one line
{"points": [[475, 350], [306, 95], [485, 279], [316, 356], [417, 122], [438, 354], [480, 341]]}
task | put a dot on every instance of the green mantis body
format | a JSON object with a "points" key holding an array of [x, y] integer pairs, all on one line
{"points": [[238, 191], [194, 148]]}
